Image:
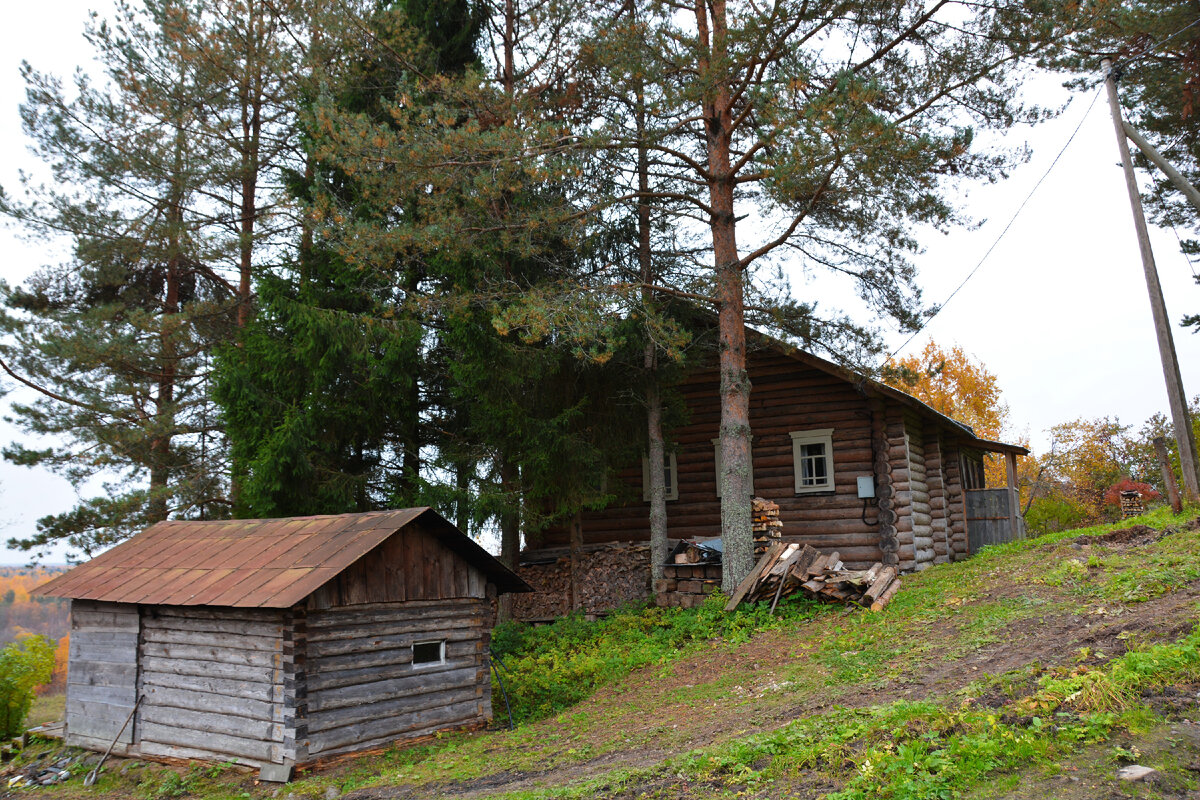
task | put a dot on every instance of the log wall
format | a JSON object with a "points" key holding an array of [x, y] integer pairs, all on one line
{"points": [[902, 503], [362, 689], [102, 679], [786, 396], [212, 684], [955, 501], [918, 486], [936, 478]]}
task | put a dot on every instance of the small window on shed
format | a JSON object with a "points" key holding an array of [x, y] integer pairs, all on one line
{"points": [[427, 653], [670, 477]]}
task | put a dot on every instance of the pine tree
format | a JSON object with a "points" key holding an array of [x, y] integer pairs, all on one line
{"points": [[115, 342], [836, 132]]}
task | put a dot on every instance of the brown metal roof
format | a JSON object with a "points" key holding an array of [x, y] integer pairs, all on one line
{"points": [[252, 563]]}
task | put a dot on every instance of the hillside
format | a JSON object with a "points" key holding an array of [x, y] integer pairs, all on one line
{"points": [[1034, 669]]}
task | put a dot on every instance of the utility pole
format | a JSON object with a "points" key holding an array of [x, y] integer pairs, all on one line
{"points": [[1162, 325]]}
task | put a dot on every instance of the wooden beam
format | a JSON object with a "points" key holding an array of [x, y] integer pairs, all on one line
{"points": [[1014, 501]]}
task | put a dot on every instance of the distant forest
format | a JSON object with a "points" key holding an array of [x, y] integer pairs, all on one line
{"points": [[21, 614]]}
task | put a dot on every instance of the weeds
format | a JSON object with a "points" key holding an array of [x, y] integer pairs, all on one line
{"points": [[551, 667]]}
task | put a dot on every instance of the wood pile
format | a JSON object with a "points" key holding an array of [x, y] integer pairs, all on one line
{"points": [[786, 569], [1131, 504], [765, 523], [609, 576]]}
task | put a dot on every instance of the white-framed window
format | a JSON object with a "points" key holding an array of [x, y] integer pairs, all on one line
{"points": [[429, 653], [717, 461], [812, 455], [670, 477]]}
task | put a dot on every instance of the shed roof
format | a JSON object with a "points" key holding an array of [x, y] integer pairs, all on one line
{"points": [[253, 563]]}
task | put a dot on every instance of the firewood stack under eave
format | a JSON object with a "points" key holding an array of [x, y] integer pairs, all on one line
{"points": [[786, 569], [765, 523]]}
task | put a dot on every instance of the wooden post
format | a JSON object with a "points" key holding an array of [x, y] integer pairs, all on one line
{"points": [[1164, 462], [1014, 501], [1162, 326]]}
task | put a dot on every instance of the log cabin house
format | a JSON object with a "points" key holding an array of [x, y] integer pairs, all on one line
{"points": [[281, 641], [856, 467]]}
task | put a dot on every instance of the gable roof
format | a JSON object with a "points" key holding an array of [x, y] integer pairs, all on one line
{"points": [[253, 563], [863, 383]]}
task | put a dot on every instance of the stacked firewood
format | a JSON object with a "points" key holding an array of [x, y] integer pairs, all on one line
{"points": [[786, 569], [765, 523]]}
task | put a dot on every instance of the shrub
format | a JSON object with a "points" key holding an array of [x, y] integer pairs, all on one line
{"points": [[24, 665], [1056, 512]]}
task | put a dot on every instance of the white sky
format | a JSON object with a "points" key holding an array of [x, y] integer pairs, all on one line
{"points": [[1059, 312]]}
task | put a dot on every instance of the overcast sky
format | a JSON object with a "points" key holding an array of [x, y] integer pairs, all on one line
{"points": [[1059, 311]]}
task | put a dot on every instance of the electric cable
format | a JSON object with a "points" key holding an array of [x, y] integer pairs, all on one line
{"points": [[1000, 238]]}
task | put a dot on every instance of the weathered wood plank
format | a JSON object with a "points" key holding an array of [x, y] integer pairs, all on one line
{"points": [[180, 666], [329, 643], [217, 655], [390, 710], [394, 727], [365, 647], [197, 721], [366, 698], [204, 630], [95, 673], [222, 746], [161, 750], [259, 708], [204, 684]]}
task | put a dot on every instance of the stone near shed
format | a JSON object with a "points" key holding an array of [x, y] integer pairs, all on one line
{"points": [[1136, 772], [276, 773], [333, 793]]}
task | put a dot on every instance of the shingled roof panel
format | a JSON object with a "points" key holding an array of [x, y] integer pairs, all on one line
{"points": [[273, 563]]}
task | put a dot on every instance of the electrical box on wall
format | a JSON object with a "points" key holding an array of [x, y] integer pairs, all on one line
{"points": [[866, 487]]}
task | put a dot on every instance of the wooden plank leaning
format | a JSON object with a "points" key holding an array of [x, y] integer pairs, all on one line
{"points": [[751, 578]]}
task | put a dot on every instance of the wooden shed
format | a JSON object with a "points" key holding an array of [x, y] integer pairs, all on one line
{"points": [[281, 641]]}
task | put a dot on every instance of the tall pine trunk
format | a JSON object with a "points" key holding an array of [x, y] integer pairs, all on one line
{"points": [[510, 527], [656, 452], [735, 382]]}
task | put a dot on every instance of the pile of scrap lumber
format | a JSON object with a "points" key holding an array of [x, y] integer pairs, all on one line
{"points": [[765, 523], [789, 568]]}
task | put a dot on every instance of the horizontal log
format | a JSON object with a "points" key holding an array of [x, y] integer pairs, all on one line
{"points": [[472, 719], [223, 746], [328, 641], [261, 708], [225, 687], [209, 722], [159, 750], [93, 726], [85, 651], [377, 650], [216, 655], [407, 701], [181, 666], [386, 612], [269, 616], [212, 639], [213, 626], [360, 675], [394, 727], [96, 673]]}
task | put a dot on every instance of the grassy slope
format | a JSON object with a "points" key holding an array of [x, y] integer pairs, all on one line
{"points": [[1034, 662]]}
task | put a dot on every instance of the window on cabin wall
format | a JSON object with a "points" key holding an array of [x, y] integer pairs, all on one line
{"points": [[429, 653], [717, 461], [812, 457], [670, 477]]}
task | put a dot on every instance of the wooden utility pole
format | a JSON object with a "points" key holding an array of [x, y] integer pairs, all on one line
{"points": [[1162, 325]]}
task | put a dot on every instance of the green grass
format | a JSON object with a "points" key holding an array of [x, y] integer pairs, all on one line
{"points": [[46, 708], [551, 667]]}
